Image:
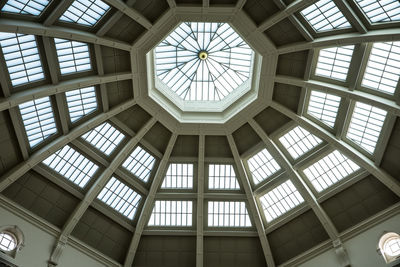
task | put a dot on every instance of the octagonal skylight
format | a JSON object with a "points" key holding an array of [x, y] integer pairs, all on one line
{"points": [[203, 61]]}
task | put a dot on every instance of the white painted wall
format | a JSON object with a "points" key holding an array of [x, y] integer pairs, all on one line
{"points": [[361, 249]]}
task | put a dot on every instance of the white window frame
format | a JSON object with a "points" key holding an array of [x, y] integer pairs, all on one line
{"points": [[192, 216], [229, 215]]}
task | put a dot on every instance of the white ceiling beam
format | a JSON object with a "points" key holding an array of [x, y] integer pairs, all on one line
{"points": [[206, 3], [377, 101], [41, 154], [100, 70], [50, 89], [382, 35], [95, 189], [5, 81], [240, 4], [57, 12], [29, 27], [351, 16], [342, 146], [171, 3], [113, 20], [19, 130], [253, 209], [130, 12], [200, 204], [149, 202]]}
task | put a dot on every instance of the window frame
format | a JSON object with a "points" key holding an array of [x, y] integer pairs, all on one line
{"points": [[128, 173], [181, 190], [227, 228], [209, 162], [166, 227]]}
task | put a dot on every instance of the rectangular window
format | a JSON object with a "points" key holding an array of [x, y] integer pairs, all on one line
{"points": [[171, 213], [81, 102], [324, 15], [366, 125], [179, 176], [22, 58], [38, 119], [383, 72], [28, 7], [334, 62], [299, 141], [228, 214], [222, 177], [104, 137], [73, 56], [379, 10], [262, 166], [280, 200], [140, 163], [324, 107], [120, 197], [330, 170], [85, 12], [72, 165]]}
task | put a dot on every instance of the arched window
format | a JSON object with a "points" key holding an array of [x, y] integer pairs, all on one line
{"points": [[11, 240], [8, 241], [389, 245]]}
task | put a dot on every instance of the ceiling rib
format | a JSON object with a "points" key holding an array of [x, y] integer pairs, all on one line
{"points": [[206, 3], [171, 3], [240, 4], [149, 202], [100, 71], [4, 78], [28, 27], [377, 101], [200, 204], [94, 190], [244, 179], [57, 12], [42, 153], [382, 35], [345, 148], [19, 132], [351, 16]]}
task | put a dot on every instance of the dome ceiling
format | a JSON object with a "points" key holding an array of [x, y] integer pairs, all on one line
{"points": [[93, 151]]}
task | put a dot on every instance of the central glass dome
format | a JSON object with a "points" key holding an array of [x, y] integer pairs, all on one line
{"points": [[204, 61]]}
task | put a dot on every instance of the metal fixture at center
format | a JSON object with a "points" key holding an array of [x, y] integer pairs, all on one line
{"points": [[203, 55]]}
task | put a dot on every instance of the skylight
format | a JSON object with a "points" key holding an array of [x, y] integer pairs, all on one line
{"points": [[120, 197], [29, 7], [81, 102], [324, 107], [38, 119], [380, 11], [140, 163], [382, 72], [366, 125], [334, 62], [280, 200], [85, 12], [171, 213], [179, 176], [104, 137], [330, 170], [73, 56], [222, 176], [299, 141], [22, 58], [262, 166], [228, 214], [325, 16], [72, 165], [203, 61]]}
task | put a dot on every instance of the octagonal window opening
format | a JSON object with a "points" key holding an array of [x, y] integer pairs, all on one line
{"points": [[203, 61], [389, 246]]}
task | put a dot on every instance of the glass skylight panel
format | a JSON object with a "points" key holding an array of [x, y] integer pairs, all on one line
{"points": [[324, 15], [222, 176], [104, 137], [72, 165], [172, 213], [140, 163], [85, 12], [22, 58], [280, 200], [179, 176], [38, 119], [81, 102], [324, 107], [366, 125], [262, 166], [383, 72], [73, 56], [380, 10], [330, 170], [228, 214], [334, 62], [120, 197], [29, 7], [203, 61], [299, 141]]}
